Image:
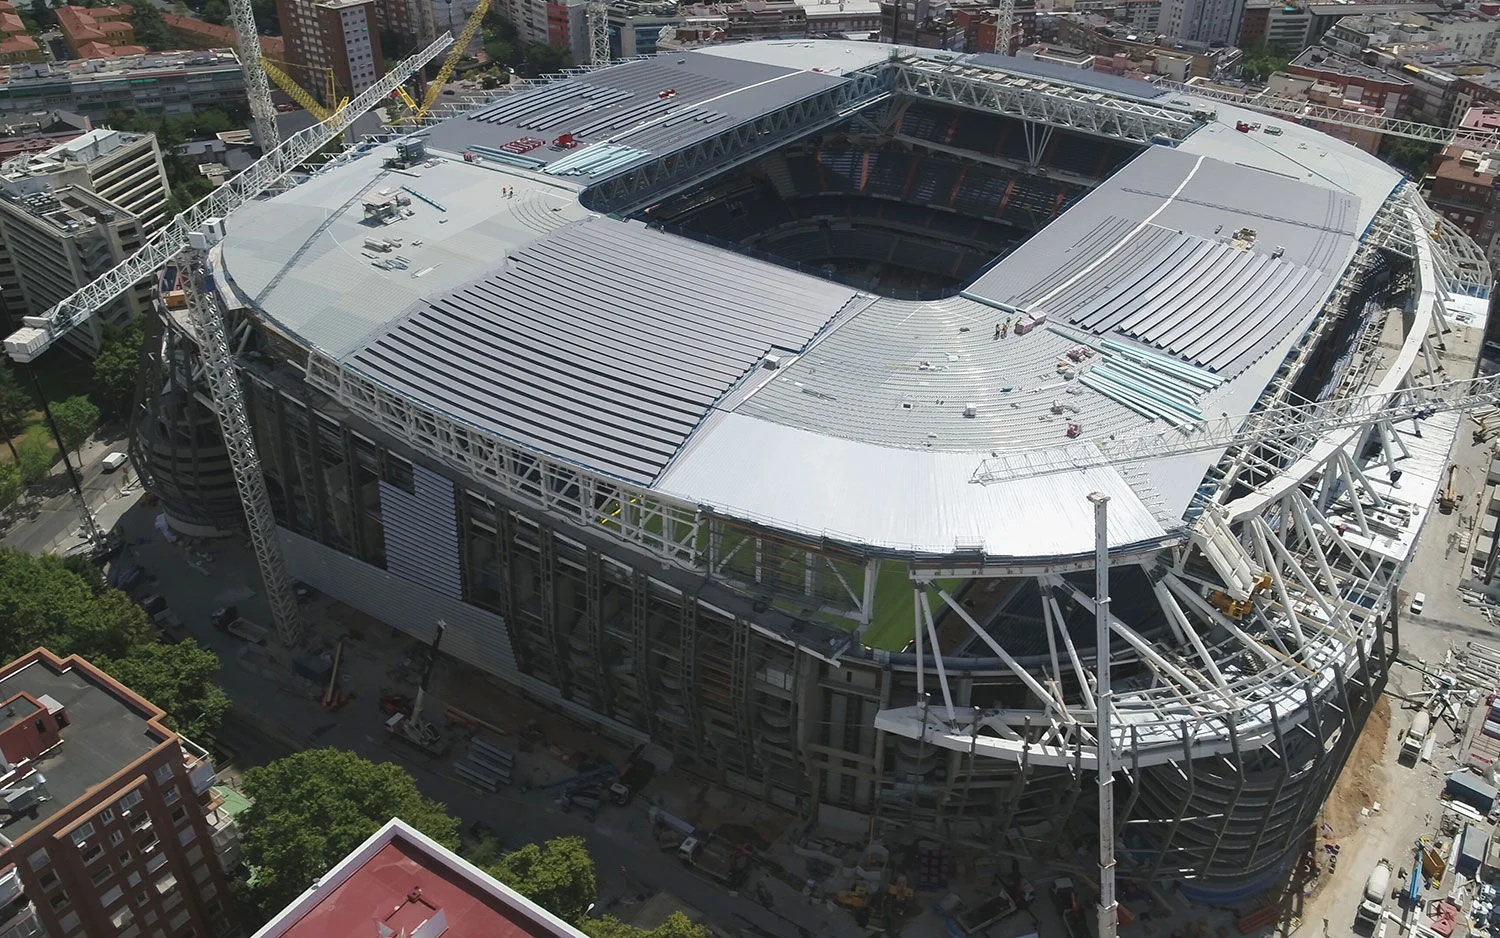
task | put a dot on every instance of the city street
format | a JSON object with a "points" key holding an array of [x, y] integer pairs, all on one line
{"points": [[50, 521]]}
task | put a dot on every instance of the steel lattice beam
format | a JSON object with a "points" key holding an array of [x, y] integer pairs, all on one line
{"points": [[41, 332], [257, 85], [234, 422], [1057, 105], [1314, 114]]}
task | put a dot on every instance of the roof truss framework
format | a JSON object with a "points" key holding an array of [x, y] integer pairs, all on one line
{"points": [[1050, 104], [742, 143]]}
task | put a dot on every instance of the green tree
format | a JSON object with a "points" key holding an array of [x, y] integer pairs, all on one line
{"points": [[42, 14], [1413, 157], [35, 457], [214, 11], [42, 602], [542, 59], [1263, 60], [182, 679], [116, 370], [76, 419], [10, 484], [311, 808], [150, 28], [676, 926], [85, 569], [557, 875], [15, 408]]}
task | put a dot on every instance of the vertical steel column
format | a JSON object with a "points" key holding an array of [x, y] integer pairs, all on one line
{"points": [[1108, 911]]}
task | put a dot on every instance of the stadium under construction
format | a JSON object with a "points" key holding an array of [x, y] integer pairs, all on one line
{"points": [[751, 401]]}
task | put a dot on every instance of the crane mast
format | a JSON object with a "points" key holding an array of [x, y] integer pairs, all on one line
{"points": [[195, 276], [257, 85]]}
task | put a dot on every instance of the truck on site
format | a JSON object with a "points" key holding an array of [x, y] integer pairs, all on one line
{"points": [[1070, 907], [975, 920], [724, 864], [1372, 903], [1416, 736], [248, 631]]}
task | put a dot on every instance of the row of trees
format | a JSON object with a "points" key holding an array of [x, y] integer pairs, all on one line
{"points": [[63, 605], [28, 442], [309, 810]]}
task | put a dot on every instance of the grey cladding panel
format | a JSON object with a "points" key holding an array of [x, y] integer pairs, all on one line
{"points": [[474, 636], [421, 533], [601, 343]]}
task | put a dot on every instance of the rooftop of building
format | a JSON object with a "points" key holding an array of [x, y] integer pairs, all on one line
{"points": [[1459, 164], [108, 730], [97, 144], [67, 209], [641, 355], [1481, 118], [1316, 58], [138, 65], [1347, 9], [399, 880]]}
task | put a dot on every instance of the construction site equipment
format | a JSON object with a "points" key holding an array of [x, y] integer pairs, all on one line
{"points": [[724, 864], [855, 897], [1416, 736], [320, 110], [1280, 422], [435, 90], [1449, 498], [413, 728], [1372, 905], [228, 397], [245, 630], [997, 907], [1070, 907], [487, 766], [1005, 15]]}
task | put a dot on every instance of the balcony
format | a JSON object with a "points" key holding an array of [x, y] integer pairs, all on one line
{"points": [[10, 887], [199, 764], [19, 920]]}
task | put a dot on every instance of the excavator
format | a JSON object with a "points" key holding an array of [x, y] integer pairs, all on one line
{"points": [[1449, 497]]}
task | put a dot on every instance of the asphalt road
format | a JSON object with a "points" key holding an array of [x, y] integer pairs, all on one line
{"points": [[55, 517]]}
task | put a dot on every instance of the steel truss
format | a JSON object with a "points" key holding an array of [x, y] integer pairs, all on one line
{"points": [[1025, 97], [40, 332], [1274, 603], [740, 144], [228, 395], [1314, 114]]}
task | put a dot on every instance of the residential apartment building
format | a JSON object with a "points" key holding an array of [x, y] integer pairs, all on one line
{"points": [[40, 130], [342, 35], [169, 83], [635, 25], [1205, 21], [1463, 185], [98, 32], [402, 882], [191, 33], [16, 44], [125, 168], [55, 241], [68, 215], [111, 828], [1352, 80]]}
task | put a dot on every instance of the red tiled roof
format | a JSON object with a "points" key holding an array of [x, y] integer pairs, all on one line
{"points": [[18, 44], [11, 24], [207, 35]]}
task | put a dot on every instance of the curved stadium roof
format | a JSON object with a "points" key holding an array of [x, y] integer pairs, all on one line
{"points": [[642, 356]]}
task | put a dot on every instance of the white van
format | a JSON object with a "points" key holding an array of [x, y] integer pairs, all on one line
{"points": [[114, 461], [1418, 601]]}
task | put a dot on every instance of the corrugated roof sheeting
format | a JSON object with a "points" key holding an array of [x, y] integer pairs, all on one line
{"points": [[644, 107], [1149, 254], [603, 343], [899, 499], [900, 373]]}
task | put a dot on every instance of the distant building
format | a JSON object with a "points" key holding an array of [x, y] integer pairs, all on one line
{"points": [[928, 24], [401, 882], [1463, 185], [341, 35], [635, 25], [1353, 80], [98, 32], [69, 214], [192, 33], [16, 44], [164, 83], [110, 823], [1205, 21], [39, 130]]}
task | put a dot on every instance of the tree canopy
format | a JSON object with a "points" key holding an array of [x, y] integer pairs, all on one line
{"points": [[150, 28], [313, 807], [77, 418], [676, 926], [35, 457], [16, 405], [10, 484], [179, 678], [42, 602], [557, 875], [117, 369], [1263, 60]]}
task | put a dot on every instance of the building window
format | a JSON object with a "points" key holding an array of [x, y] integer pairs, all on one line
{"points": [[178, 813], [102, 876], [68, 922], [130, 801], [60, 902], [107, 816], [116, 838], [48, 879], [171, 796], [38, 859], [82, 833], [163, 774], [111, 896]]}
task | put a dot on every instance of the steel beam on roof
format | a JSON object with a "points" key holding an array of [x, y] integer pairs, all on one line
{"points": [[644, 184], [1051, 104], [1314, 114]]}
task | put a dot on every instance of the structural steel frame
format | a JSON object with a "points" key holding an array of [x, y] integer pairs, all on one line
{"points": [[1053, 104]]}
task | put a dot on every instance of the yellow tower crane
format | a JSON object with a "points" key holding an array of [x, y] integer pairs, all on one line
{"points": [[299, 94], [471, 28]]}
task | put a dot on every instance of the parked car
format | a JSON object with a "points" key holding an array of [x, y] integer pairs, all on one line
{"points": [[114, 461], [1418, 603]]}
